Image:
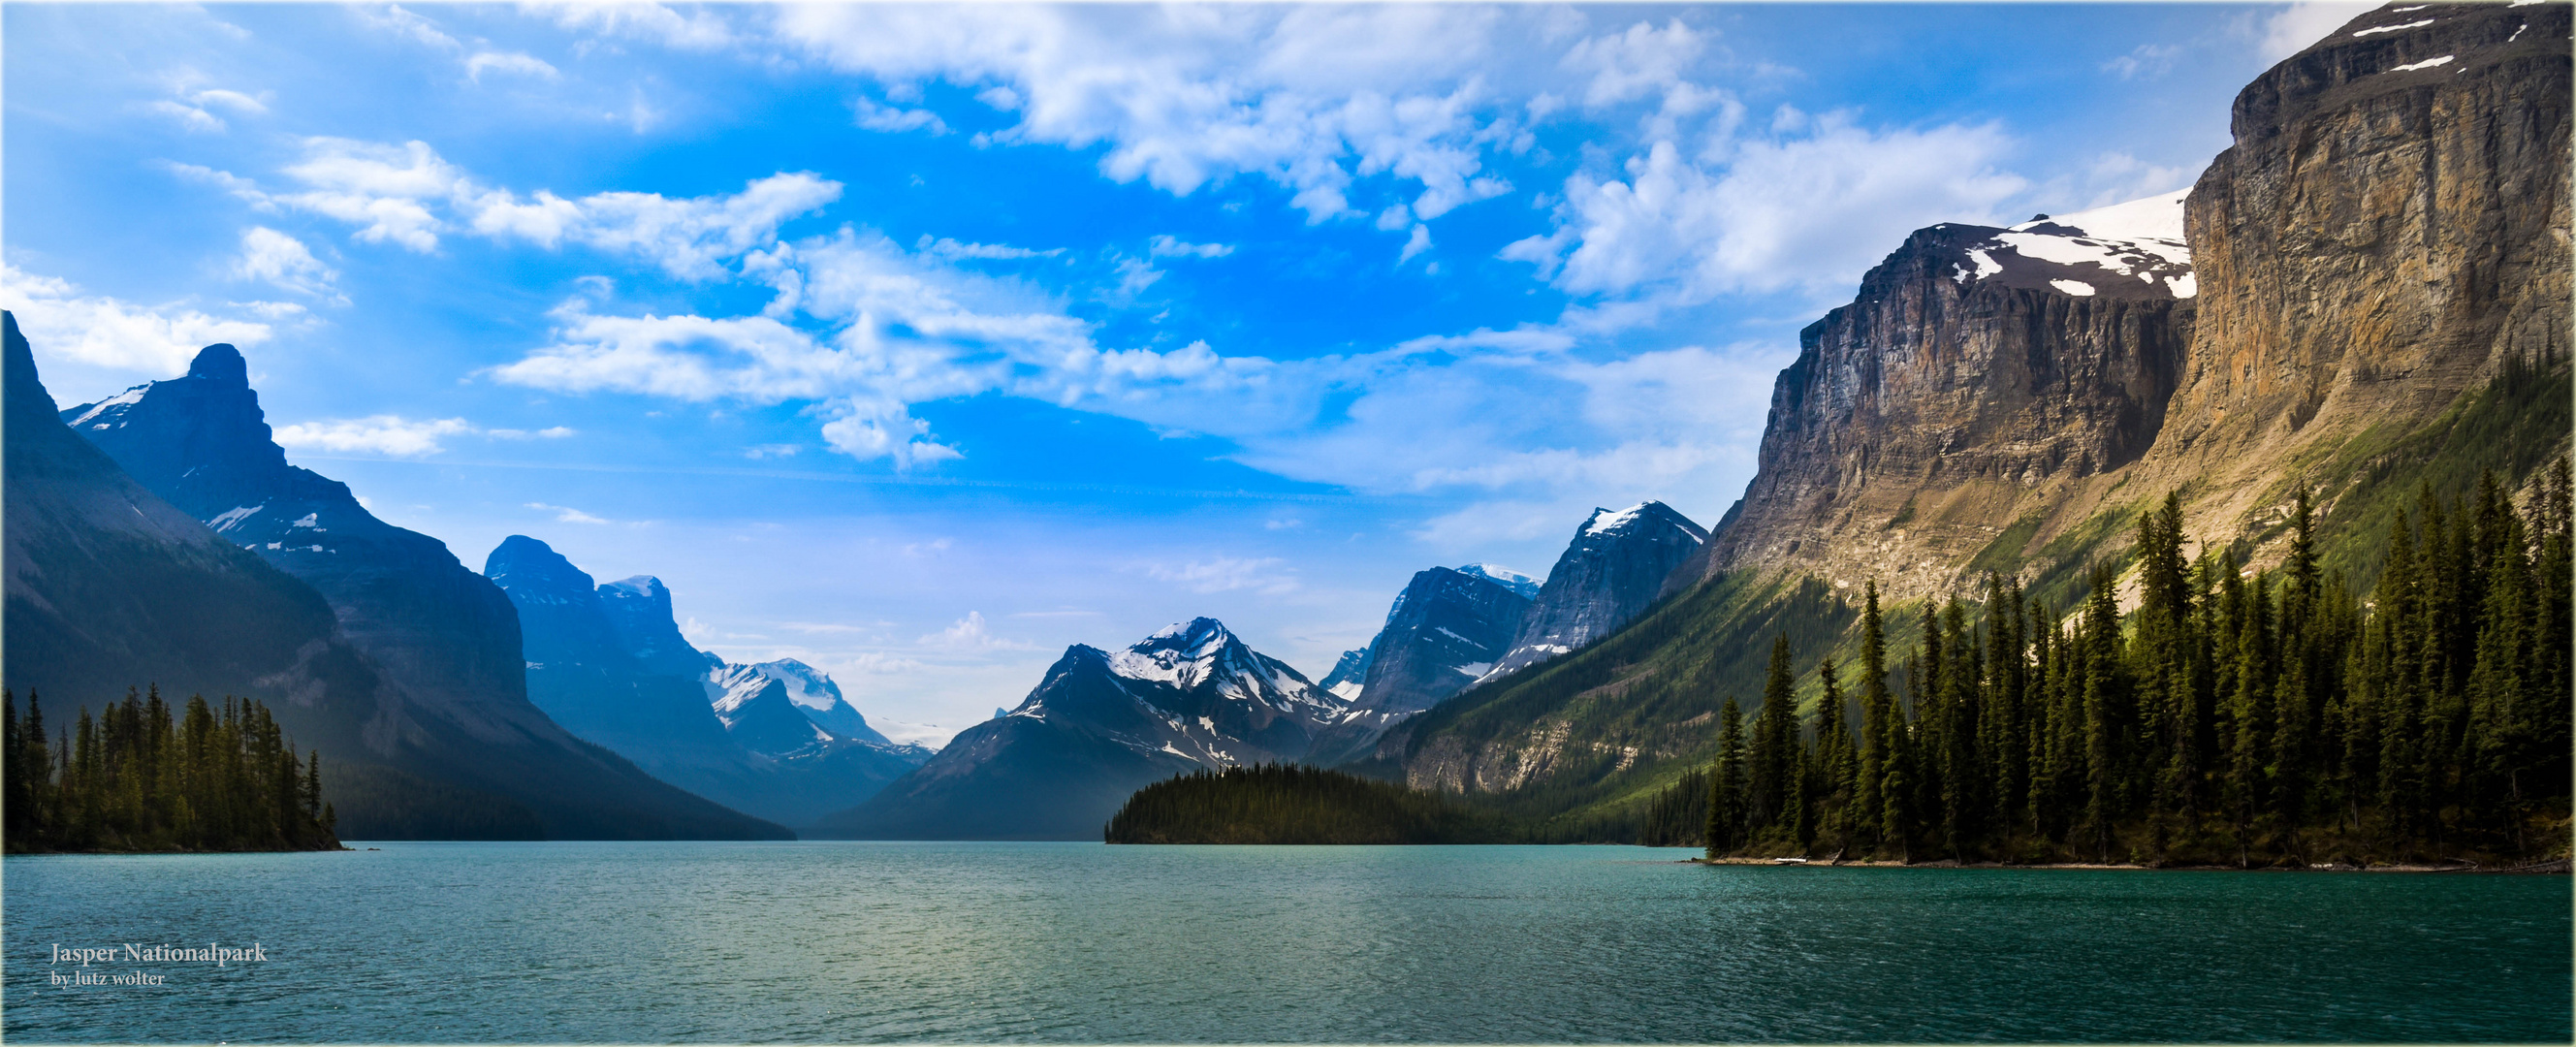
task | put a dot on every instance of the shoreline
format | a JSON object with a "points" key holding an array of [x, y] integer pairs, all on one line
{"points": [[2546, 867]]}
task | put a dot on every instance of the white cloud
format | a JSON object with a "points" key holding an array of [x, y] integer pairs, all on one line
{"points": [[387, 190], [700, 30], [393, 19], [875, 117], [384, 434], [1175, 247], [1226, 574], [408, 195], [944, 247], [566, 514], [157, 341], [508, 62], [190, 117], [284, 261], [1808, 211], [2147, 60], [1419, 242], [1312, 98], [2293, 28], [971, 634]]}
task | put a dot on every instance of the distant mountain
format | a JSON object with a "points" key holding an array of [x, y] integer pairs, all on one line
{"points": [[1510, 579], [1349, 674], [1445, 631], [608, 662], [639, 609], [1098, 727], [369, 642], [1615, 566]]}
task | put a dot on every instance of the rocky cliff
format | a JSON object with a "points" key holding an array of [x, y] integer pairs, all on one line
{"points": [[2370, 294], [2388, 234], [1980, 376]]}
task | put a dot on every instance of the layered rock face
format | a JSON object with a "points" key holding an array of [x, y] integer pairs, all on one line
{"points": [[1614, 567], [1100, 726], [1981, 374], [1446, 630], [2390, 228]]}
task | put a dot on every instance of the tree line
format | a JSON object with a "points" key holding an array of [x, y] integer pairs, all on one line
{"points": [[143, 776], [2228, 719], [1296, 804]]}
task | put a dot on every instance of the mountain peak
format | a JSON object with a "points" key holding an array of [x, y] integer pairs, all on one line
{"points": [[221, 362], [1604, 521], [642, 586], [530, 569], [1503, 576]]}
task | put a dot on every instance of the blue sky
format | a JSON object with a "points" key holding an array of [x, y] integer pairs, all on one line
{"points": [[919, 342]]}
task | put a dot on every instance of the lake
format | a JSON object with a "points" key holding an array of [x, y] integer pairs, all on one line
{"points": [[830, 941]]}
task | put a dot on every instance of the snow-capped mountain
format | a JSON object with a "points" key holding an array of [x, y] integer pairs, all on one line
{"points": [[2129, 250], [1506, 577], [1612, 570], [1097, 728], [1445, 631]]}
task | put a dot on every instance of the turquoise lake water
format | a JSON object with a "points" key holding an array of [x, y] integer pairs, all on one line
{"points": [[821, 941]]}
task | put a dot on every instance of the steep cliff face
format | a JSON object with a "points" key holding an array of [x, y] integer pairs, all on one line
{"points": [[2389, 229], [2375, 295], [1980, 374]]}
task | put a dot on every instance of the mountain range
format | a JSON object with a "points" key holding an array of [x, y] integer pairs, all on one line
{"points": [[1100, 726], [608, 662], [174, 546]]}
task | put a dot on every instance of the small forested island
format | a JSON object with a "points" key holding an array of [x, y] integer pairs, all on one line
{"points": [[1294, 804], [2270, 720], [143, 777]]}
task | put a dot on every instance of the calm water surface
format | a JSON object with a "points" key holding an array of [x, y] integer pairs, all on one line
{"points": [[1083, 942]]}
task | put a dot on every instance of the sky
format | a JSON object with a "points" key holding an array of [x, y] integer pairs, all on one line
{"points": [[920, 342]]}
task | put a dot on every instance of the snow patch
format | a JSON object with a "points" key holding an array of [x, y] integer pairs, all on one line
{"points": [[224, 521], [2394, 28], [2078, 288], [1986, 265], [130, 396], [2184, 286], [1476, 670], [2427, 63], [1605, 520]]}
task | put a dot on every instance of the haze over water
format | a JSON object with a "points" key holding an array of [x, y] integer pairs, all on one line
{"points": [[1083, 942]]}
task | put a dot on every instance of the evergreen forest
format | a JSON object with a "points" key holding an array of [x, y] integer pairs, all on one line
{"points": [[1296, 804], [143, 776], [2230, 718]]}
